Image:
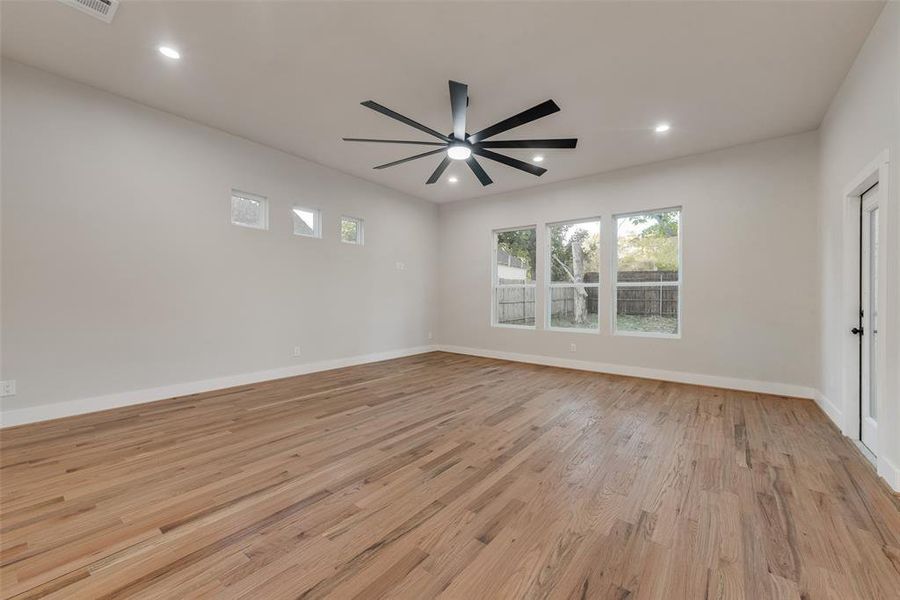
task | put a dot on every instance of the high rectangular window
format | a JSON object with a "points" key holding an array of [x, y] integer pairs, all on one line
{"points": [[573, 282], [514, 262], [648, 273], [249, 210], [307, 221], [351, 230]]}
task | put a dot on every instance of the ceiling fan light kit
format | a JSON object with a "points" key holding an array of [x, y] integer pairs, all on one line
{"points": [[459, 151], [462, 146]]}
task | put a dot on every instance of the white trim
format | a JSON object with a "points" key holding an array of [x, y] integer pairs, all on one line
{"points": [[748, 385], [877, 171], [647, 283], [82, 406], [831, 410], [598, 218], [594, 331], [317, 221], [870, 346], [649, 334], [883, 466], [868, 176], [867, 454], [513, 326], [889, 472], [639, 213], [505, 229]]}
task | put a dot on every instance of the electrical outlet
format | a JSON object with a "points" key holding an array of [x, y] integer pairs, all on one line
{"points": [[401, 266], [298, 351], [429, 335], [572, 348], [8, 388]]}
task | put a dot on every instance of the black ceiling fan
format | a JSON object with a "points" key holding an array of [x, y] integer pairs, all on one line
{"points": [[459, 145]]}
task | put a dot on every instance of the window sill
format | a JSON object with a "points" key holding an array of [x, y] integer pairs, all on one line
{"points": [[573, 330], [648, 334], [505, 326]]}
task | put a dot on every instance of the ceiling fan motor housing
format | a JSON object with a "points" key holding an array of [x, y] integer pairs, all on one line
{"points": [[459, 145]]}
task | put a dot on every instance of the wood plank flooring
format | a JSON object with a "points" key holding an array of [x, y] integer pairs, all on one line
{"points": [[447, 476]]}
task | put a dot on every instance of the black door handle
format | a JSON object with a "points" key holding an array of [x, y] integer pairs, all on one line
{"points": [[857, 331]]}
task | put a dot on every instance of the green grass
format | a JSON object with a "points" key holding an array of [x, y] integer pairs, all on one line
{"points": [[647, 323]]}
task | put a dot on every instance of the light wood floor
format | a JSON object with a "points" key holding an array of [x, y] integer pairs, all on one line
{"points": [[445, 476]]}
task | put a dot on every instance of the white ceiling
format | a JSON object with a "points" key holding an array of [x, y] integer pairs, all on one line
{"points": [[291, 74]]}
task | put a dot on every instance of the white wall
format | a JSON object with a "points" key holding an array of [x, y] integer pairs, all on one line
{"points": [[121, 270], [750, 293], [862, 122]]}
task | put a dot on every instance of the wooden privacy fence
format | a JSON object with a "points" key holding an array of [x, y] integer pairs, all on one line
{"points": [[647, 300], [662, 300], [562, 301], [515, 305]]}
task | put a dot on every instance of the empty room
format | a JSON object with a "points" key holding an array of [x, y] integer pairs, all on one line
{"points": [[450, 300]]}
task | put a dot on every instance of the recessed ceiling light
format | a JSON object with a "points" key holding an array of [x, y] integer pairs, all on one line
{"points": [[662, 128], [169, 52], [452, 179], [459, 152], [538, 158]]}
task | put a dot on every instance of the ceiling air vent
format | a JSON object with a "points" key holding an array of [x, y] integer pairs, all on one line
{"points": [[100, 9]]}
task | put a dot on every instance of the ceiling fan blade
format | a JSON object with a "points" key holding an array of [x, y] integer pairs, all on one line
{"points": [[512, 162], [409, 158], [439, 171], [459, 100], [479, 172], [395, 115], [416, 142], [558, 143], [527, 116]]}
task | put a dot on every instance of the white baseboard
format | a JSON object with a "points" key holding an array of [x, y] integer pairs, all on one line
{"points": [[889, 472], [884, 467], [31, 414], [748, 385], [830, 409]]}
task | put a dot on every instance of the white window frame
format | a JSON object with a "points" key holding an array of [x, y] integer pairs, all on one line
{"points": [[264, 202], [495, 284], [614, 287], [549, 284], [360, 230], [317, 221]]}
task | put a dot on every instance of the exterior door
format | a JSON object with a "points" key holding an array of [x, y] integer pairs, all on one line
{"points": [[868, 334]]}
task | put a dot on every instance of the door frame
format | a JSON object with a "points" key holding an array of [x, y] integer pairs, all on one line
{"points": [[876, 171], [869, 353]]}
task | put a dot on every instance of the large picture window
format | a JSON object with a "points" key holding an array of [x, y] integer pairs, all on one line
{"points": [[514, 263], [573, 265], [648, 273]]}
